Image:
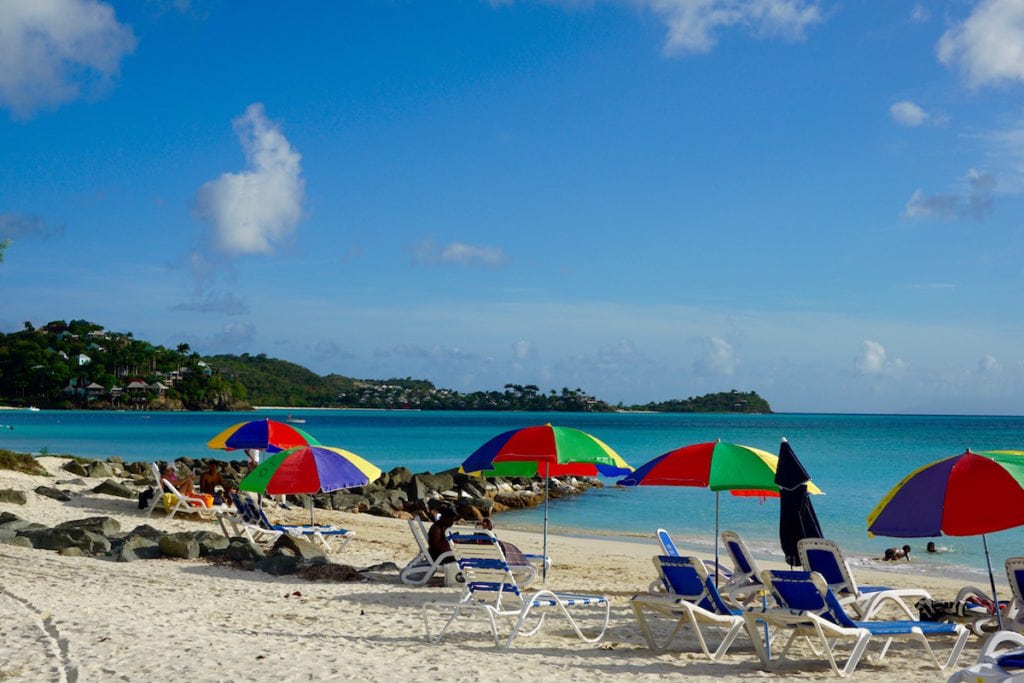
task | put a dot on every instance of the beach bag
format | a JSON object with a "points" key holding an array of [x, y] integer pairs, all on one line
{"points": [[201, 500], [170, 500], [145, 497], [943, 610], [452, 575]]}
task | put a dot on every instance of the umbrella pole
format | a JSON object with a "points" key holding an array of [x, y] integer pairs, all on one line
{"points": [[311, 510], [716, 540], [992, 582], [544, 562]]}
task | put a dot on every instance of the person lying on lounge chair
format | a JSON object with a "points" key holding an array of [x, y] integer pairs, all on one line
{"points": [[183, 484]]}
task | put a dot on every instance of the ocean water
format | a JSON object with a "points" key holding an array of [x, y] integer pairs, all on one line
{"points": [[855, 459]]}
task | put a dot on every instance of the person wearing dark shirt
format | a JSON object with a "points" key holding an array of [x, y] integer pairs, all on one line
{"points": [[437, 540]]}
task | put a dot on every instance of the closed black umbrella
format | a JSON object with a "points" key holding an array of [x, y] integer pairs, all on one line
{"points": [[797, 519]]}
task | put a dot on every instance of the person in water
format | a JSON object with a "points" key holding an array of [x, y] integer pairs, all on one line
{"points": [[892, 554]]}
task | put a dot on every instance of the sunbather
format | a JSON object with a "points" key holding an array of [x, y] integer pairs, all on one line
{"points": [[211, 479], [513, 554], [183, 484], [437, 541]]}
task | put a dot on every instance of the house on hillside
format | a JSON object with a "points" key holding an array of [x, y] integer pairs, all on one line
{"points": [[82, 359]]}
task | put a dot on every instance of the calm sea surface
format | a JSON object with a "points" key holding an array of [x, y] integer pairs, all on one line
{"points": [[855, 459]]}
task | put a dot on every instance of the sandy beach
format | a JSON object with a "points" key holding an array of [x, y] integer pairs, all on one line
{"points": [[87, 618]]}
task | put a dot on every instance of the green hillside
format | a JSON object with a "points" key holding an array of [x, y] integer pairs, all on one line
{"points": [[80, 364]]}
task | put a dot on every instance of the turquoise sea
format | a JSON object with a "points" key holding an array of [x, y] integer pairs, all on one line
{"points": [[855, 459]]}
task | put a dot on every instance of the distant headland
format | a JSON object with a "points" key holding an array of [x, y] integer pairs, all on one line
{"points": [[81, 365]]}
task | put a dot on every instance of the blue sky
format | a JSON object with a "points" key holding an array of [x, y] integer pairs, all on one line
{"points": [[646, 199]]}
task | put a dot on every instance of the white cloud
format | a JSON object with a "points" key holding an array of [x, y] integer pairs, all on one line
{"points": [[693, 24], [252, 211], [52, 50], [907, 113], [974, 202], [988, 47], [718, 360], [873, 361], [988, 364], [458, 253], [920, 13], [524, 350]]}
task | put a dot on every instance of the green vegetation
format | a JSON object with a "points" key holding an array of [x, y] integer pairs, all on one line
{"points": [[20, 462], [81, 365], [724, 402]]}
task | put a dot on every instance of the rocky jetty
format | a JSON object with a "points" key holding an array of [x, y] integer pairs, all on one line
{"points": [[399, 493]]}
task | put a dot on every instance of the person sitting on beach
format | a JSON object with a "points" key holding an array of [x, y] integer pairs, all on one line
{"points": [[211, 479], [513, 555], [183, 484], [892, 554], [437, 541]]}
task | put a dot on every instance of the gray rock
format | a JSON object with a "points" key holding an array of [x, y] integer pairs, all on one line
{"points": [[104, 526], [70, 551], [415, 489], [349, 501], [113, 488], [181, 545], [100, 469], [17, 540], [9, 520], [75, 467], [146, 531], [278, 565], [241, 550], [437, 482], [55, 493], [299, 547], [382, 510], [138, 547], [57, 539], [71, 482], [13, 496], [210, 542], [399, 476], [391, 497]]}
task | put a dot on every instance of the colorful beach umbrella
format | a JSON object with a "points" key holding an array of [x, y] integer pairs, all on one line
{"points": [[719, 466], [969, 494], [309, 469], [549, 451], [264, 435]]}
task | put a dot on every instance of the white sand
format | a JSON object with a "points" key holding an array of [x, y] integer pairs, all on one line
{"points": [[90, 619]]}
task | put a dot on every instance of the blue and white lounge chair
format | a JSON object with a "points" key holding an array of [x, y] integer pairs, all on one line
{"points": [[669, 548], [996, 663], [809, 608], [745, 584], [825, 557], [242, 521], [321, 535], [491, 588], [692, 601]]}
